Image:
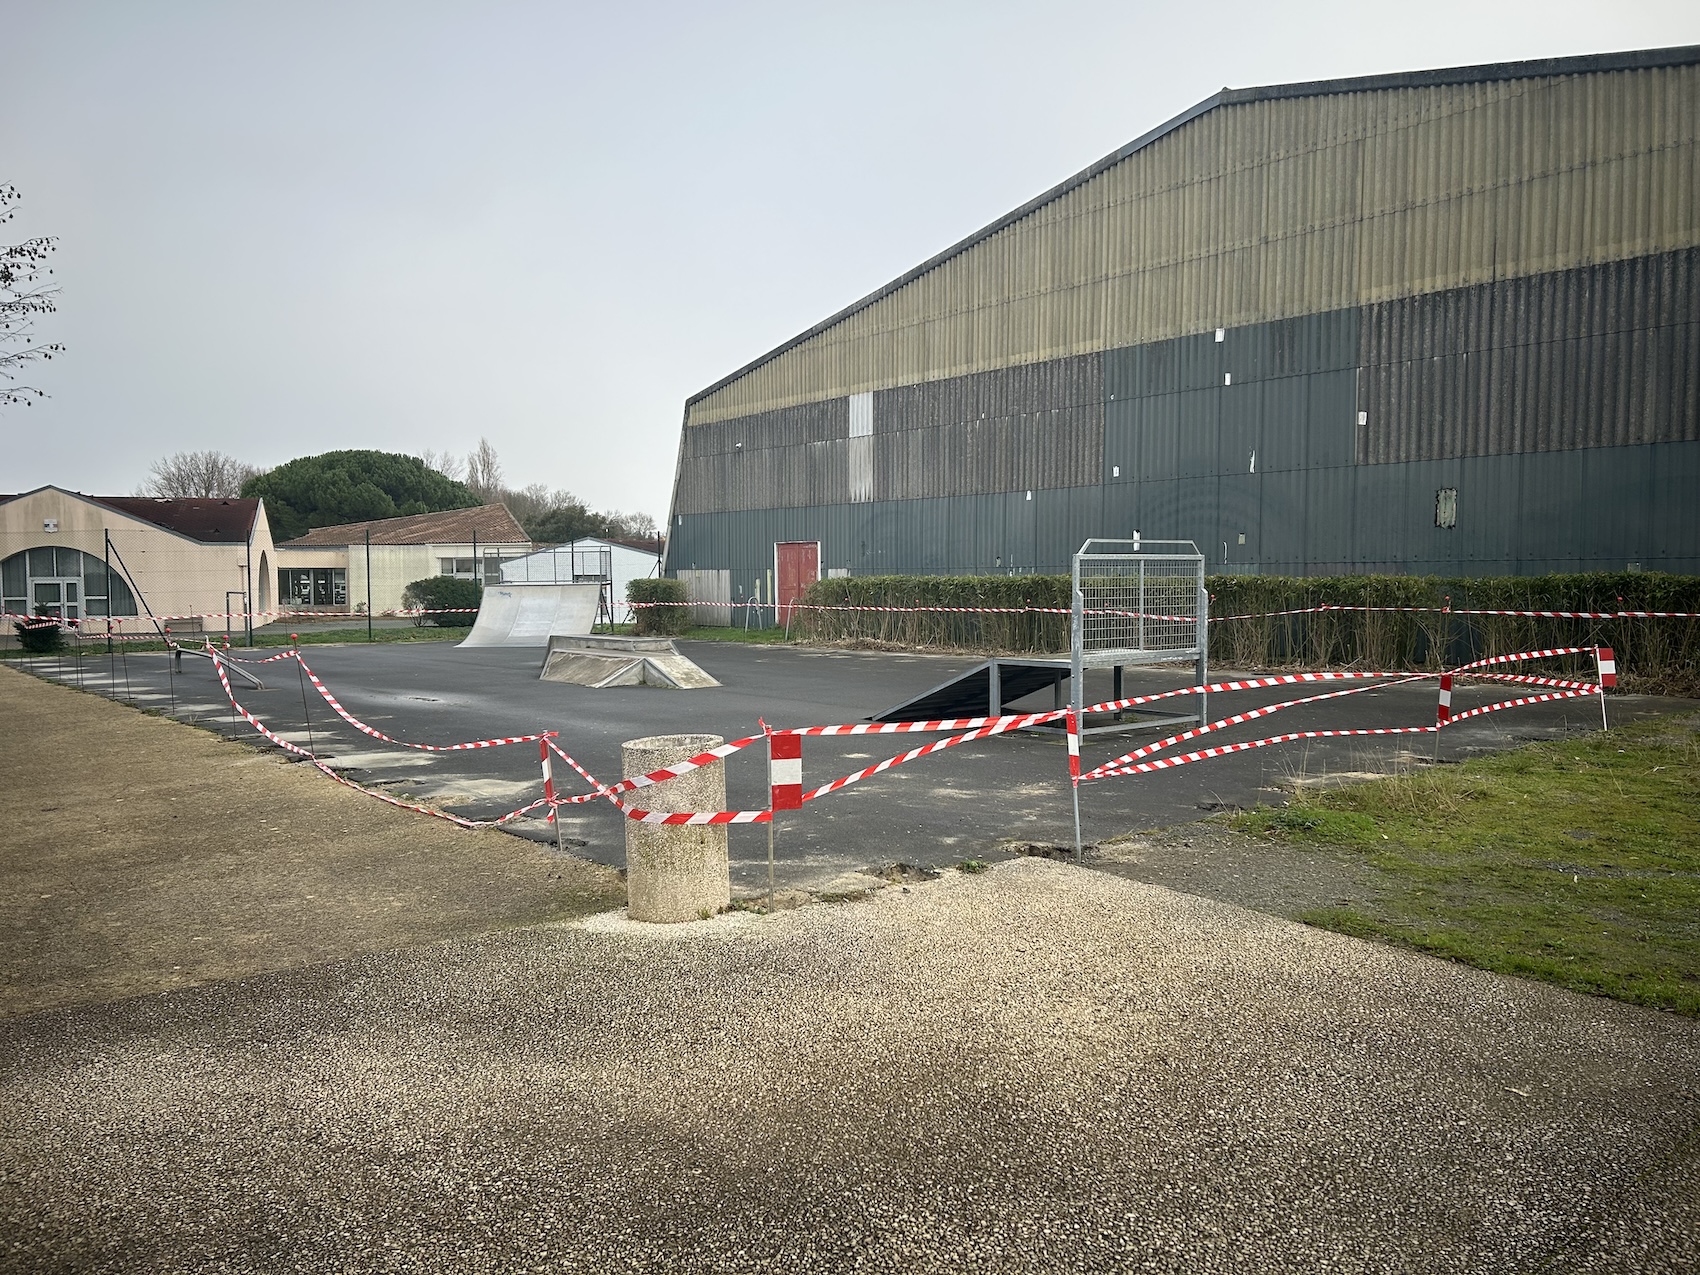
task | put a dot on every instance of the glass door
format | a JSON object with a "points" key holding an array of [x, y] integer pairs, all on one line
{"points": [[58, 598]]}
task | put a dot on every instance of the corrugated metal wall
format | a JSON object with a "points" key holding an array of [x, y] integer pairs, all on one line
{"points": [[1527, 514], [1029, 427], [1279, 208], [1598, 357], [1563, 410], [1490, 289]]}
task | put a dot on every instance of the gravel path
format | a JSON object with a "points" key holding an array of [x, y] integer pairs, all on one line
{"points": [[139, 854], [1036, 1069]]}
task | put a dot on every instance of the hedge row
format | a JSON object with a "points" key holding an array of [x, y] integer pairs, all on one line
{"points": [[1653, 655], [653, 620]]}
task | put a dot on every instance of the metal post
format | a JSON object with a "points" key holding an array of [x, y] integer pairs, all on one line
{"points": [[1141, 607], [368, 584], [108, 538], [771, 821], [1203, 669], [1077, 671], [170, 671], [301, 676], [1074, 726]]}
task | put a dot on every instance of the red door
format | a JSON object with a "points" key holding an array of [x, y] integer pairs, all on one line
{"points": [[796, 565]]}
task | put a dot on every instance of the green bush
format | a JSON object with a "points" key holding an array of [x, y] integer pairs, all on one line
{"points": [[1281, 627], [1659, 655], [451, 601], [40, 635], [659, 620]]}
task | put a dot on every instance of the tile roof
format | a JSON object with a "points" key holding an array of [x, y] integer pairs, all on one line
{"points": [[210, 520], [488, 524]]}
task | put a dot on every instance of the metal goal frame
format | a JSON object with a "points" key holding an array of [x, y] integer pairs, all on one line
{"points": [[1138, 602]]}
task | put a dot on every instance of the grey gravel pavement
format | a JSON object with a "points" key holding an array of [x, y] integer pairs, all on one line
{"points": [[1036, 1069]]}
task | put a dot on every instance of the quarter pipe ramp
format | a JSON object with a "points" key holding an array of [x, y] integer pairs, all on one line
{"points": [[530, 614]]}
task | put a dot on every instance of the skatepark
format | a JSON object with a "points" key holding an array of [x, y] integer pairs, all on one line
{"points": [[996, 797]]}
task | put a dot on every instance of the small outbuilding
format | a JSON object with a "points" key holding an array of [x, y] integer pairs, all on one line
{"points": [[613, 562]]}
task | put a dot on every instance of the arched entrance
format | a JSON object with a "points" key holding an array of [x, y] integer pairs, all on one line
{"points": [[67, 583], [265, 589]]}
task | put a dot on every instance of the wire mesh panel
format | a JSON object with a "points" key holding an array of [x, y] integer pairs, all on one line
{"points": [[1139, 602], [1136, 603]]}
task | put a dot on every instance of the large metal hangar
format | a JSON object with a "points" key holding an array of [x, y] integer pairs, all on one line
{"points": [[1442, 322]]}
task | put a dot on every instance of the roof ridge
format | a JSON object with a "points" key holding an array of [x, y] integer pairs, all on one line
{"points": [[1586, 63]]}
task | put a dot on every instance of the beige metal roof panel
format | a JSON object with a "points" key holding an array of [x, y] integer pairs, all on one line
{"points": [[1283, 205]]}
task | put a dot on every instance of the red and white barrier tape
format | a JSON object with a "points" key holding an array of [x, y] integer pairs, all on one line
{"points": [[785, 745], [995, 726], [609, 792], [375, 733], [286, 745], [1237, 719], [1449, 610], [1223, 750], [1521, 656]]}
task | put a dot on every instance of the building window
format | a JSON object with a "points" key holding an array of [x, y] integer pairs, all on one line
{"points": [[470, 568], [68, 583], [1446, 507], [312, 587]]}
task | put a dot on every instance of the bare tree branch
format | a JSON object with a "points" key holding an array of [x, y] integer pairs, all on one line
{"points": [[484, 472], [548, 516], [24, 297], [445, 463], [197, 474]]}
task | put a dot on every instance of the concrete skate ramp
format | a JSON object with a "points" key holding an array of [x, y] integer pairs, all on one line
{"points": [[530, 614], [602, 660]]}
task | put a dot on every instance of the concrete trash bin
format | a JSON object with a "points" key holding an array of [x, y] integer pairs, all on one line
{"points": [[675, 872]]}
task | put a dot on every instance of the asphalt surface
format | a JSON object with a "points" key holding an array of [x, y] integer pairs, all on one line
{"points": [[1041, 1068], [986, 799]]}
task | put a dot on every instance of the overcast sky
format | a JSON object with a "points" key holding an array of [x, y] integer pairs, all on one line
{"points": [[290, 228]]}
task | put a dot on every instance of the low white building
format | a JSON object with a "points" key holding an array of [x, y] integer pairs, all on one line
{"points": [[134, 561], [612, 562], [326, 569]]}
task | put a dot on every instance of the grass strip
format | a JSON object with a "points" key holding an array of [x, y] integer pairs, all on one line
{"points": [[1575, 862]]}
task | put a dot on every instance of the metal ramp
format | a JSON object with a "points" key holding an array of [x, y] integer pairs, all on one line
{"points": [[983, 690]]}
